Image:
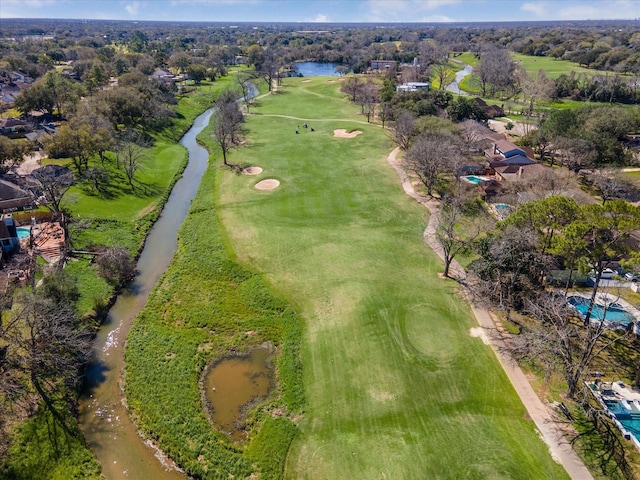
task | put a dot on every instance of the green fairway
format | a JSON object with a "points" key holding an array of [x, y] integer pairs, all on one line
{"points": [[395, 385], [552, 67]]}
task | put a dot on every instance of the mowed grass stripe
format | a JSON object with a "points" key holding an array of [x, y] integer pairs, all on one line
{"points": [[396, 387]]}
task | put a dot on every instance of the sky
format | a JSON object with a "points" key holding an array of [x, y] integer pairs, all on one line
{"points": [[324, 11]]}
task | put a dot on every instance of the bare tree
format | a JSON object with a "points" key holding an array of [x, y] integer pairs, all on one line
{"points": [[385, 112], [54, 181], [46, 346], [534, 89], [130, 153], [433, 154], [351, 86], [508, 268], [561, 342], [228, 120], [453, 213], [611, 185], [475, 134], [116, 265], [367, 98], [244, 82], [495, 70], [405, 129], [575, 153]]}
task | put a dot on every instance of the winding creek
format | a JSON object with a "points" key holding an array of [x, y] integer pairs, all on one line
{"points": [[455, 85], [104, 419]]}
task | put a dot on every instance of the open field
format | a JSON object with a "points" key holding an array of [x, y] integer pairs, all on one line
{"points": [[552, 67], [395, 386]]}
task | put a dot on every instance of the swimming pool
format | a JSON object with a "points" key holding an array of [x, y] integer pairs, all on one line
{"points": [[23, 232], [502, 206], [612, 313], [629, 417], [475, 179]]}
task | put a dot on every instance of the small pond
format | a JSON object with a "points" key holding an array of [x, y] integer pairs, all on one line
{"points": [[234, 385], [316, 69]]}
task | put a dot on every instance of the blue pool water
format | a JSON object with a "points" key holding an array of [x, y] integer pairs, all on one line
{"points": [[614, 313], [630, 420], [502, 206], [474, 179], [22, 232]]}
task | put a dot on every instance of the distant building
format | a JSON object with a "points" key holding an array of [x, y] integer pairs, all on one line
{"points": [[384, 65], [412, 87]]}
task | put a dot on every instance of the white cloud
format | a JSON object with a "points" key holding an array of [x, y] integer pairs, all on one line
{"points": [[583, 10], [408, 10], [321, 18], [539, 9], [132, 8]]}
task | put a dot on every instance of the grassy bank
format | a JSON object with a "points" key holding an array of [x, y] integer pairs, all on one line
{"points": [[225, 309], [117, 217], [553, 67], [396, 386]]}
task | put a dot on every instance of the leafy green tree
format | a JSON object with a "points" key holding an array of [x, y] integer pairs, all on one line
{"points": [[197, 72], [388, 89], [12, 152], [546, 217], [598, 234], [36, 98], [463, 108]]}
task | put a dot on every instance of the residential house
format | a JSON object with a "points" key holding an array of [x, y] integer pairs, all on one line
{"points": [[491, 111], [510, 161], [14, 127], [13, 197]]}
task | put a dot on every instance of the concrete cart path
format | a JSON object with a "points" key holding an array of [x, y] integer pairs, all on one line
{"points": [[552, 435]]}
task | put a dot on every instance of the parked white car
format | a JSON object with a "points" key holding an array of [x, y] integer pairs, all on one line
{"points": [[607, 274]]}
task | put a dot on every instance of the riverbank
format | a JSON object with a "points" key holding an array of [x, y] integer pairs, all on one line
{"points": [[226, 310], [122, 220]]}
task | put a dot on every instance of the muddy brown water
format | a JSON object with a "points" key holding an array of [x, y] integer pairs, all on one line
{"points": [[104, 419], [235, 384]]}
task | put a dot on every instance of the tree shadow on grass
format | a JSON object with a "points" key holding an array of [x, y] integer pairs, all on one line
{"points": [[107, 191], [144, 189]]}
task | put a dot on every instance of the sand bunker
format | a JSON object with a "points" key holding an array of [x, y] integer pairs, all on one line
{"points": [[478, 332], [305, 81], [267, 184], [252, 171], [342, 133]]}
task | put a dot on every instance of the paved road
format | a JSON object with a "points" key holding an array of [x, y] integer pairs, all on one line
{"points": [[559, 447]]}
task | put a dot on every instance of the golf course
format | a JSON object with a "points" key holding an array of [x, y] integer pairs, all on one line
{"points": [[328, 265]]}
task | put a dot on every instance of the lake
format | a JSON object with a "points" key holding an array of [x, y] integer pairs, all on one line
{"points": [[317, 69]]}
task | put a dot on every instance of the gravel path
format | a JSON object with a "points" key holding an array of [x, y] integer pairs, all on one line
{"points": [[542, 416]]}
